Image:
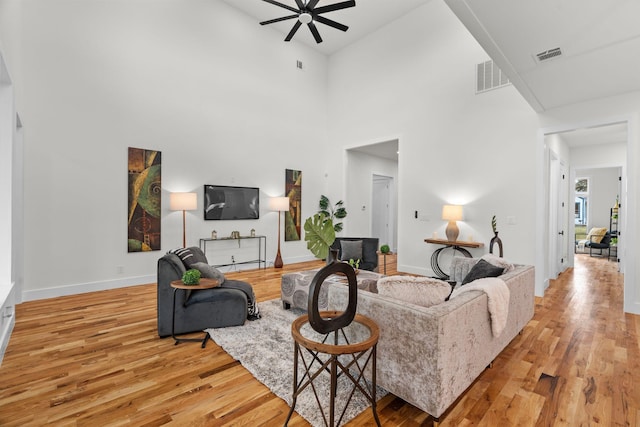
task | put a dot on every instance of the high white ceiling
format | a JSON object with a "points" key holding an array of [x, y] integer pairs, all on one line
{"points": [[599, 40], [366, 17]]}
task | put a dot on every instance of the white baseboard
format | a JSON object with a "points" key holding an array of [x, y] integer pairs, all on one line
{"points": [[80, 288], [422, 271]]}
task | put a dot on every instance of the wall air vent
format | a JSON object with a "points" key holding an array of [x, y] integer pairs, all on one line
{"points": [[548, 54], [489, 76]]}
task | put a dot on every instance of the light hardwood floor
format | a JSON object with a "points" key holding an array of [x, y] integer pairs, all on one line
{"points": [[95, 359]]}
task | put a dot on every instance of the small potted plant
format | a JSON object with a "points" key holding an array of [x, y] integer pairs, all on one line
{"points": [[355, 264], [385, 249], [191, 277]]}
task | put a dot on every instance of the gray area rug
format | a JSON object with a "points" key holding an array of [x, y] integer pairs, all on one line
{"points": [[265, 348]]}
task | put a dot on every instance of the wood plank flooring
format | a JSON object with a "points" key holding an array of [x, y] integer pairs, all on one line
{"points": [[95, 359]]}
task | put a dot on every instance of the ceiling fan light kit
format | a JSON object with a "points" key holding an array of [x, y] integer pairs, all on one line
{"points": [[308, 13]]}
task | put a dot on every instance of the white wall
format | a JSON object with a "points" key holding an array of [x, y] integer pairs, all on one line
{"points": [[219, 95], [414, 79]]}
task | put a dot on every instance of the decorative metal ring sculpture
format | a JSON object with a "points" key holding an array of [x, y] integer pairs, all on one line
{"points": [[324, 326]]}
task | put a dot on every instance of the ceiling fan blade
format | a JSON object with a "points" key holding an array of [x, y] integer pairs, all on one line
{"points": [[293, 31], [312, 4], [284, 18], [336, 6], [314, 31], [300, 4], [331, 23], [275, 3]]}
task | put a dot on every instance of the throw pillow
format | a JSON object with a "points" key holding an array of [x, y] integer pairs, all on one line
{"points": [[209, 272], [481, 270], [498, 262], [423, 291], [188, 256], [596, 234], [350, 249]]}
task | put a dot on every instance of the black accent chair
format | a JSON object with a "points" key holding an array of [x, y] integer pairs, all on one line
{"points": [[369, 260], [605, 243], [196, 310]]}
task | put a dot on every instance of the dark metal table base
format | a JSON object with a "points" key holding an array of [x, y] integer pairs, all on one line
{"points": [[173, 328], [335, 368], [434, 259]]}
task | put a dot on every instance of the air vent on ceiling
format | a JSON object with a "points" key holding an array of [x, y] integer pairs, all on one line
{"points": [[548, 54], [489, 76]]}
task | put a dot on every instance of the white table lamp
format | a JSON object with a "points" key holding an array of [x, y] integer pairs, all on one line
{"points": [[452, 213]]}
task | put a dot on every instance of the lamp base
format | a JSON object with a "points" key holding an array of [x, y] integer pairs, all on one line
{"points": [[278, 262], [452, 231]]}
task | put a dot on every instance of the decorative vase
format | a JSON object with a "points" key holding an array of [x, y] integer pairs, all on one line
{"points": [[495, 240]]}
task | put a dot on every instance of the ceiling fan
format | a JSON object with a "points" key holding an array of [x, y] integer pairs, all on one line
{"points": [[308, 13]]}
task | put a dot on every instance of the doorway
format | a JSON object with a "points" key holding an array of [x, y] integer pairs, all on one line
{"points": [[599, 145], [371, 182], [381, 212]]}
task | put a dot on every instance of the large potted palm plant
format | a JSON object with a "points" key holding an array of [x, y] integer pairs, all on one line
{"points": [[320, 229]]}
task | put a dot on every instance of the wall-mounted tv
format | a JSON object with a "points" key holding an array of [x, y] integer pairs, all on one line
{"points": [[224, 202]]}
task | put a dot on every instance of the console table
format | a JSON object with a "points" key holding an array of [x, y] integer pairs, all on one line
{"points": [[261, 260], [456, 245]]}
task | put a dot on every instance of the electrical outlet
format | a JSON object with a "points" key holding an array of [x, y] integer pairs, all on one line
{"points": [[233, 260], [120, 269]]}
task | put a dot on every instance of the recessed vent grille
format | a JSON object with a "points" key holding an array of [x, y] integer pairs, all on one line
{"points": [[489, 76], [548, 54]]}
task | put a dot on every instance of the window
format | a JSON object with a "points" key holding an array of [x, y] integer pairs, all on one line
{"points": [[582, 201]]}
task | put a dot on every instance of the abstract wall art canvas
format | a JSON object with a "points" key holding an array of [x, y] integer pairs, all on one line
{"points": [[145, 197], [292, 218]]}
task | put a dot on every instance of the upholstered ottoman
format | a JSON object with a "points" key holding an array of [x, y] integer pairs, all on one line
{"points": [[294, 287]]}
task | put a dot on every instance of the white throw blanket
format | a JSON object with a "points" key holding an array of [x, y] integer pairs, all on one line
{"points": [[498, 295]]}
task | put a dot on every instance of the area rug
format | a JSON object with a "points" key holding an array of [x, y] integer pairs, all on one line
{"points": [[265, 348]]}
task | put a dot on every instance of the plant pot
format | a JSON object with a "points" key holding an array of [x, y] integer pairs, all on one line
{"points": [[332, 256]]}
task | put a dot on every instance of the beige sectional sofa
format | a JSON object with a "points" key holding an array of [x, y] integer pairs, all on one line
{"points": [[429, 356]]}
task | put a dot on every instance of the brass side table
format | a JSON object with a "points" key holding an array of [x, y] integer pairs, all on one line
{"points": [[179, 284], [324, 351]]}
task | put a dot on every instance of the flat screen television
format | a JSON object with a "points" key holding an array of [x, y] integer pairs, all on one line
{"points": [[224, 202]]}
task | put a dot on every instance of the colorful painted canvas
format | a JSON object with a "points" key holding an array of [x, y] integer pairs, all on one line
{"points": [[292, 218], [145, 192]]}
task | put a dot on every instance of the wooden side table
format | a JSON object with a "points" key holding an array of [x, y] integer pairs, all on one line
{"points": [[319, 347], [179, 284], [384, 259], [457, 245]]}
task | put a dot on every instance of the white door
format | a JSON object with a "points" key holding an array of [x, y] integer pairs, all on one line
{"points": [[382, 216], [563, 219]]}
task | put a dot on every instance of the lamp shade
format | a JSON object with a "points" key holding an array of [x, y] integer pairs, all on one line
{"points": [[452, 212], [279, 204], [183, 201]]}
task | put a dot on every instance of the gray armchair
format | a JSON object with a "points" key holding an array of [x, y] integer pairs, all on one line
{"points": [[369, 259], [196, 310]]}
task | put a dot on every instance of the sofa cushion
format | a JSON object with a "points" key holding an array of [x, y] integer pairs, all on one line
{"points": [[596, 234], [481, 270], [189, 256], [209, 272], [498, 262], [350, 249], [423, 291]]}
